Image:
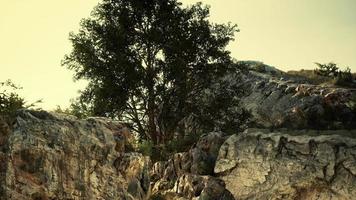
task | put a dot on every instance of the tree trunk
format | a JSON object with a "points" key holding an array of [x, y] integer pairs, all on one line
{"points": [[151, 117]]}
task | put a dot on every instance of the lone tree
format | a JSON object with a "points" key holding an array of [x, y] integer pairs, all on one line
{"points": [[142, 55]]}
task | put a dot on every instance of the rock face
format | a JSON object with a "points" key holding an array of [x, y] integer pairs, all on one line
{"points": [[189, 175], [50, 156], [277, 101], [260, 164]]}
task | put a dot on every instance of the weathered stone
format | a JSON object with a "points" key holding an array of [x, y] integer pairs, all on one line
{"points": [[285, 103], [259, 164], [52, 156], [180, 176]]}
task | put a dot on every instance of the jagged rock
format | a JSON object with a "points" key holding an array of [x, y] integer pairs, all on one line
{"points": [[196, 187], [53, 156], [180, 175], [259, 164], [200, 159], [278, 102]]}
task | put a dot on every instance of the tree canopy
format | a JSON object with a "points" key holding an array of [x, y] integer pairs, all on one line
{"points": [[144, 61]]}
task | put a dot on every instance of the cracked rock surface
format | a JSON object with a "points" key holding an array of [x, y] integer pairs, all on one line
{"points": [[52, 156], [259, 164], [277, 101], [47, 156]]}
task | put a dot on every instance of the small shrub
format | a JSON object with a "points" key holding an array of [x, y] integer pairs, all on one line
{"points": [[10, 101], [329, 70], [341, 78], [145, 147], [177, 145], [345, 78]]}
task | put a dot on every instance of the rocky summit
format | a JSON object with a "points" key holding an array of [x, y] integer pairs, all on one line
{"points": [[300, 144]]}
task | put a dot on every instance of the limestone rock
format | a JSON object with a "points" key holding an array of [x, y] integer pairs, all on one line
{"points": [[186, 174], [53, 156], [196, 187], [259, 164], [277, 101]]}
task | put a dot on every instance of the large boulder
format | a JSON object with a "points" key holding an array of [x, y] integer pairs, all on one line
{"points": [[259, 164], [53, 156]]}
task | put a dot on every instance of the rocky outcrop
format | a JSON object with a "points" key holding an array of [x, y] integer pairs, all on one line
{"points": [[259, 164], [189, 175], [52, 156], [278, 101]]}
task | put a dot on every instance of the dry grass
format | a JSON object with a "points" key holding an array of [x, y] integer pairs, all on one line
{"points": [[310, 76]]}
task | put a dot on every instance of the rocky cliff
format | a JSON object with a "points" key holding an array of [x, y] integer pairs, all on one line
{"points": [[259, 164], [304, 148], [51, 156], [277, 100]]}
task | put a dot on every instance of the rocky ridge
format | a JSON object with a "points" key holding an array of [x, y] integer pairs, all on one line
{"points": [[276, 100], [292, 154], [51, 156]]}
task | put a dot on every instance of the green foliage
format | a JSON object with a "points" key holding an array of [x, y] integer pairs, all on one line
{"points": [[145, 59], [10, 100], [341, 78], [326, 74], [345, 78], [145, 147], [328, 70], [163, 152], [183, 144]]}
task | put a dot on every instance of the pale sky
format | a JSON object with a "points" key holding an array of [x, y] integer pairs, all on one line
{"points": [[288, 34]]}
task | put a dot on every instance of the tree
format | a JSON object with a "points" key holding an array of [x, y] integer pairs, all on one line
{"points": [[328, 70], [341, 77], [144, 58]]}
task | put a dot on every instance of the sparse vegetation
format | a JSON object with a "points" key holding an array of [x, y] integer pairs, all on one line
{"points": [[11, 101], [328, 73], [309, 76]]}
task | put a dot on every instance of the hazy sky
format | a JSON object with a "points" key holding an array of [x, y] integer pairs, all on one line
{"points": [[289, 34]]}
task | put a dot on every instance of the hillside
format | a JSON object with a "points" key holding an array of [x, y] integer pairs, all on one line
{"points": [[300, 143]]}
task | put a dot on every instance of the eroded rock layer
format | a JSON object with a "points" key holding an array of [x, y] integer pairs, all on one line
{"points": [[51, 156], [259, 164]]}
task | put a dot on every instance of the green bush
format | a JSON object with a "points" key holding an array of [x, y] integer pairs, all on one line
{"points": [[145, 147], [329, 70], [164, 151], [341, 78], [10, 100], [177, 145], [345, 78]]}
